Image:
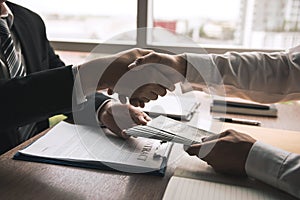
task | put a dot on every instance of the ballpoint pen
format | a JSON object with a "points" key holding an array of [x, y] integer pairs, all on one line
{"points": [[239, 121]]}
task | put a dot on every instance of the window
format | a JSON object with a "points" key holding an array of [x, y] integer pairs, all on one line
{"points": [[86, 21], [242, 23], [217, 25], [214, 22]]}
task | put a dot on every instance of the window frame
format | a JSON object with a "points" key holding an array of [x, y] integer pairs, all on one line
{"points": [[144, 12]]}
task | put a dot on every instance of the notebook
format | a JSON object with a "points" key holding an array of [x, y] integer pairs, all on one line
{"points": [[209, 185], [83, 146], [174, 106], [244, 107]]}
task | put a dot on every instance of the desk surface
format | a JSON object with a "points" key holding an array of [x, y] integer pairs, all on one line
{"points": [[27, 180]]}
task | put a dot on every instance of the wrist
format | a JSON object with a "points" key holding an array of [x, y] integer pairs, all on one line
{"points": [[92, 75], [84, 73], [104, 108], [181, 64]]}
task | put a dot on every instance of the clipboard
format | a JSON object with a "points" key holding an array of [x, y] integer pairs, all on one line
{"points": [[83, 146], [175, 107]]}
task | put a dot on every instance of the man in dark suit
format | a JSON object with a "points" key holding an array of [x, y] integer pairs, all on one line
{"points": [[26, 102]]}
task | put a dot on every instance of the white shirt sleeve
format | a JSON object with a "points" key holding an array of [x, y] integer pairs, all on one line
{"points": [[78, 92], [98, 110], [257, 76], [274, 166]]}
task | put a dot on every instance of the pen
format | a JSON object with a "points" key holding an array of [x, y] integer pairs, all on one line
{"points": [[239, 121]]}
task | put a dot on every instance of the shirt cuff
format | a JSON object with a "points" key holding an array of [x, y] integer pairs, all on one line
{"points": [[98, 110], [264, 162], [80, 97], [201, 70]]}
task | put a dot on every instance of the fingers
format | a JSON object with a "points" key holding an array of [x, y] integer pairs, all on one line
{"points": [[193, 149], [144, 52], [202, 150], [138, 116], [109, 122], [219, 136], [119, 117], [149, 58], [146, 93], [147, 117], [142, 104], [110, 91], [152, 95], [135, 102], [124, 134], [212, 137], [122, 98], [142, 120], [161, 91]]}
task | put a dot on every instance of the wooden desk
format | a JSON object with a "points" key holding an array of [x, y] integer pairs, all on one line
{"points": [[28, 180]]}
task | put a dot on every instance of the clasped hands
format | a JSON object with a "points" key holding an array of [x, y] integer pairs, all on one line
{"points": [[121, 73], [127, 73]]}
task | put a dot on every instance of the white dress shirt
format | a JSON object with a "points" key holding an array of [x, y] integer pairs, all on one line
{"points": [[262, 77]]}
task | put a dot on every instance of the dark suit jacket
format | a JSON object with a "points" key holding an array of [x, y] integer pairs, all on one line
{"points": [[46, 91]]}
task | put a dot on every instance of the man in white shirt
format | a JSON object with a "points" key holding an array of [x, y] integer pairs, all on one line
{"points": [[257, 76]]}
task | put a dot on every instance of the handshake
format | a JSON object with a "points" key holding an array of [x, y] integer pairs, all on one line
{"points": [[137, 74]]}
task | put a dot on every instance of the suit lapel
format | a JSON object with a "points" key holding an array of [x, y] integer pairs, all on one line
{"points": [[21, 28]]}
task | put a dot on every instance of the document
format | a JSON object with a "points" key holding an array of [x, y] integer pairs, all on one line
{"points": [[84, 146]]}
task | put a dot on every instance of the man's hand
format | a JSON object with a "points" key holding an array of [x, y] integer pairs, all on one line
{"points": [[112, 72], [118, 117], [226, 152], [172, 66]]}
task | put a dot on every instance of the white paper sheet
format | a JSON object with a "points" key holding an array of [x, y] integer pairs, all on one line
{"points": [[87, 144]]}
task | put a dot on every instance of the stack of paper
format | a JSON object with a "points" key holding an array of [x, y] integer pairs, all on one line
{"points": [[92, 147], [166, 129]]}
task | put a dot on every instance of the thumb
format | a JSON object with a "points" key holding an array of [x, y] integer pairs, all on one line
{"points": [[201, 150], [110, 91], [193, 149], [147, 59], [122, 99]]}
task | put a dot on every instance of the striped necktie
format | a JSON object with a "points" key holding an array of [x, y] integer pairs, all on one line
{"points": [[9, 52]]}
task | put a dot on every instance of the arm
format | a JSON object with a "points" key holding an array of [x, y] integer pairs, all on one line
{"points": [[274, 166], [35, 97], [263, 162], [262, 77]]}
